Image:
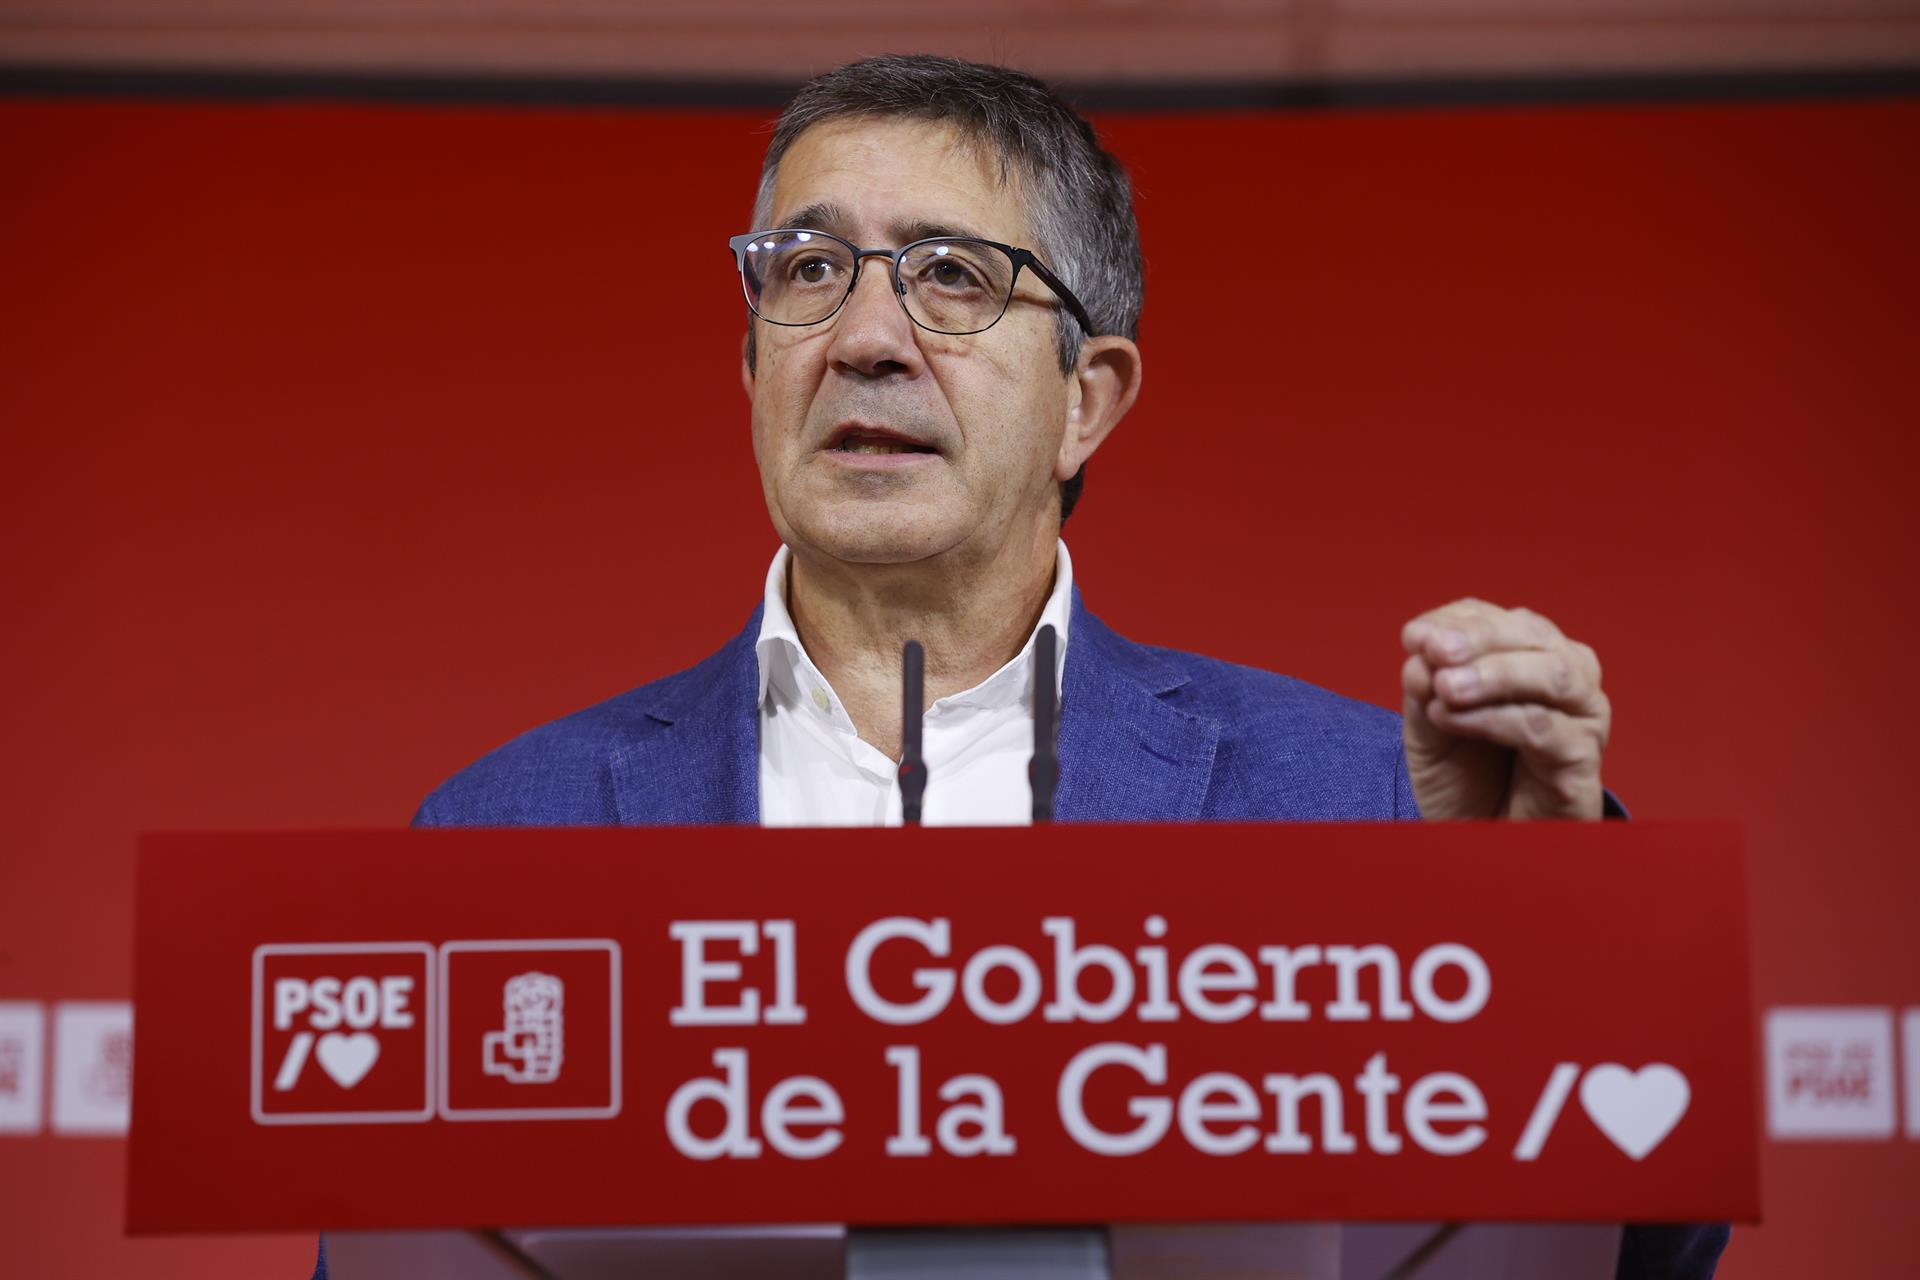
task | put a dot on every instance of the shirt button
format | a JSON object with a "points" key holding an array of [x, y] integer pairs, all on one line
{"points": [[820, 699]]}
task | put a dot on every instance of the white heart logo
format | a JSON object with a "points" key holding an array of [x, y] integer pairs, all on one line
{"points": [[347, 1058], [1637, 1109]]}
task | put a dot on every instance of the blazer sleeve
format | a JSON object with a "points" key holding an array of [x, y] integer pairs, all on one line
{"points": [[1671, 1251]]}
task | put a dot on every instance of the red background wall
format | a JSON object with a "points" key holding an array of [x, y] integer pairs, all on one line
{"points": [[340, 444]]}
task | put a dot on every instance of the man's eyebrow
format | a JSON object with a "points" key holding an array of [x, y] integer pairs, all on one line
{"points": [[822, 215], [921, 229]]}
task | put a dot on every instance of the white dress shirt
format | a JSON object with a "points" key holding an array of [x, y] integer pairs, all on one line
{"points": [[815, 771]]}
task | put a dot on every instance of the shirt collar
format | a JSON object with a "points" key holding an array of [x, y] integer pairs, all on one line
{"points": [[778, 647]]}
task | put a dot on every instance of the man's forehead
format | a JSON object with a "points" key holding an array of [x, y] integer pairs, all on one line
{"points": [[899, 179], [902, 226]]}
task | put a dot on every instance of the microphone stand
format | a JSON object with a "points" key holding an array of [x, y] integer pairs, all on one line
{"points": [[1043, 771], [913, 770]]}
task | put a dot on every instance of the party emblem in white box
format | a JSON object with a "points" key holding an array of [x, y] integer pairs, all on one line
{"points": [[1830, 1072], [530, 1029], [342, 1032]]}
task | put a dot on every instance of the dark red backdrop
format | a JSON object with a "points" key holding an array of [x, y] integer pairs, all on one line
{"points": [[341, 444]]}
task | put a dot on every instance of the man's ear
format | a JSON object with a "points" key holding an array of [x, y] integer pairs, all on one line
{"points": [[1105, 381], [746, 361]]}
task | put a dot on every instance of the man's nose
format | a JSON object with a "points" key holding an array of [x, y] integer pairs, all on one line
{"points": [[872, 335]]}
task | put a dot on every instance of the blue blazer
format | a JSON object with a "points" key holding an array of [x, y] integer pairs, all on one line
{"points": [[1146, 735]]}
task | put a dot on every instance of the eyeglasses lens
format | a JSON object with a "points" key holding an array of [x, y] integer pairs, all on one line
{"points": [[801, 277], [796, 277], [956, 286]]}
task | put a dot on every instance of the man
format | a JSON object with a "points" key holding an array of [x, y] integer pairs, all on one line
{"points": [[943, 298]]}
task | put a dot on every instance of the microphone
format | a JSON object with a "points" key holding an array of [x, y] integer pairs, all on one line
{"points": [[1043, 771], [913, 770]]}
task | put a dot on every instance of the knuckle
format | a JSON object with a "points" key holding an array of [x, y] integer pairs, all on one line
{"points": [[1537, 725], [1573, 785], [1537, 628], [1560, 678], [1590, 658]]}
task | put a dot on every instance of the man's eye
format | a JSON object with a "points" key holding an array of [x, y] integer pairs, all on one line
{"points": [[949, 274], [812, 271]]}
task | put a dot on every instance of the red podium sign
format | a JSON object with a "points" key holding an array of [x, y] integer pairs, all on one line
{"points": [[1075, 1023]]}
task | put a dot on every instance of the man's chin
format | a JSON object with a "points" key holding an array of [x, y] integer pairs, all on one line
{"points": [[878, 536]]}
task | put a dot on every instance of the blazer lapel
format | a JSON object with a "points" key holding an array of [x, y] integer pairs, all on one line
{"points": [[697, 761], [1126, 754]]}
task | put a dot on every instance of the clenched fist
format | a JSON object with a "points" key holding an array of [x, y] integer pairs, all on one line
{"points": [[1504, 715]]}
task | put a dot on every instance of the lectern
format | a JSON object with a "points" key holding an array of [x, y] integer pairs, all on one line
{"points": [[1075, 1051]]}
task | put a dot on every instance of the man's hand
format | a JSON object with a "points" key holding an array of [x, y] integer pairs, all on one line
{"points": [[1504, 715]]}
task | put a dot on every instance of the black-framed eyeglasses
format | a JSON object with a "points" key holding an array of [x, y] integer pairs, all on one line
{"points": [[951, 284]]}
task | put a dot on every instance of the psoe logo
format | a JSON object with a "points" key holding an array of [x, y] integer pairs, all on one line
{"points": [[1830, 1073], [342, 1033]]}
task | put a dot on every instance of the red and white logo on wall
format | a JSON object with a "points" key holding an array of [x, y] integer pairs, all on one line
{"points": [[92, 1067], [1830, 1073], [530, 1030], [1910, 1051], [22, 1051], [342, 1033]]}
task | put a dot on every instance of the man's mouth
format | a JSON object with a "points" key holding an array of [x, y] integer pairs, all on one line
{"points": [[870, 440]]}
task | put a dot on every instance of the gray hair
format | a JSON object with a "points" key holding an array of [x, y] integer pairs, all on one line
{"points": [[1077, 196]]}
